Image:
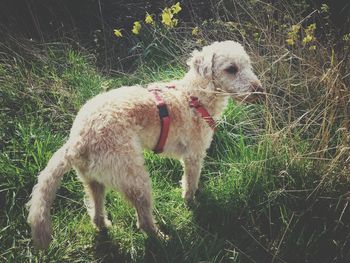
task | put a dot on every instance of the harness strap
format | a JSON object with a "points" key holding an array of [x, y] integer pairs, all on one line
{"points": [[165, 118], [164, 121], [194, 103]]}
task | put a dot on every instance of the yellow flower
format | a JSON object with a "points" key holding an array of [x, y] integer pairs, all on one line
{"points": [[311, 27], [290, 41], [293, 35], [149, 19], [174, 21], [200, 41], [310, 30], [118, 33], [136, 28], [256, 36], [307, 39], [295, 28], [313, 47], [195, 31], [346, 37], [324, 8], [167, 17], [176, 8]]}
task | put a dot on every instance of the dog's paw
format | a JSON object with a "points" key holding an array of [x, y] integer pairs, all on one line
{"points": [[192, 203], [158, 235], [107, 223], [161, 236], [153, 232], [102, 223], [190, 200], [188, 197]]}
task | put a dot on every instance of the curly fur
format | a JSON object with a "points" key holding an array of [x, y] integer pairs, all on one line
{"points": [[108, 136]]}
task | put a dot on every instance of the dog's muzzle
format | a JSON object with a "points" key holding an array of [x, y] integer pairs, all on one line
{"points": [[256, 94]]}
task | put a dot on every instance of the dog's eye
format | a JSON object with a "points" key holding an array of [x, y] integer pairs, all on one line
{"points": [[232, 69]]}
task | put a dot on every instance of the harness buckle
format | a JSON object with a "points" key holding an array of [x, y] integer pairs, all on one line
{"points": [[163, 110], [194, 102]]}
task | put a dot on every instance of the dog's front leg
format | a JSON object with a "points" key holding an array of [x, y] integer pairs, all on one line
{"points": [[192, 170]]}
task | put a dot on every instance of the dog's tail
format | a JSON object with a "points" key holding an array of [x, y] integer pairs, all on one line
{"points": [[43, 195]]}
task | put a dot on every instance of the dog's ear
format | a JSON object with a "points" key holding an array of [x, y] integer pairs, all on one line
{"points": [[202, 63]]}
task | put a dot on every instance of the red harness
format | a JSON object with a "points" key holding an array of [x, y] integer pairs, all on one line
{"points": [[194, 103], [164, 121], [165, 118]]}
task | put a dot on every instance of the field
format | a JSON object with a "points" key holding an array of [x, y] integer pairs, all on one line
{"points": [[275, 183]]}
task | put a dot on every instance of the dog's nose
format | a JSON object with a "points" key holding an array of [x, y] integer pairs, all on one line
{"points": [[258, 91], [256, 87]]}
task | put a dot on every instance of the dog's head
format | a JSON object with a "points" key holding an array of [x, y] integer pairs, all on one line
{"points": [[228, 66]]}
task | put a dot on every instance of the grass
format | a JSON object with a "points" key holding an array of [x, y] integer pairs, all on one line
{"points": [[255, 199], [274, 183]]}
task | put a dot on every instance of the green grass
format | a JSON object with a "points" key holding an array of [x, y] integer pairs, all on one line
{"points": [[257, 200]]}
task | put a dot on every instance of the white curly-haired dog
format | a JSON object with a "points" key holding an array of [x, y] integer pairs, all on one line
{"points": [[106, 142]]}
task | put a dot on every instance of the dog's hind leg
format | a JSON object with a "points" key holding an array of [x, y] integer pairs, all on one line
{"points": [[96, 204], [137, 190], [135, 184], [192, 170]]}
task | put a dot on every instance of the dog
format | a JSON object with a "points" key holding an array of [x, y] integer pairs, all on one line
{"points": [[110, 132]]}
